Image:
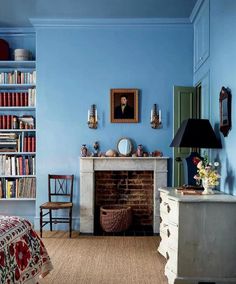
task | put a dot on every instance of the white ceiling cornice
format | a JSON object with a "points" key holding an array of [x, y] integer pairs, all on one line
{"points": [[38, 23]]}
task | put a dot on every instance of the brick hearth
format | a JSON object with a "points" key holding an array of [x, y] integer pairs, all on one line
{"points": [[133, 188]]}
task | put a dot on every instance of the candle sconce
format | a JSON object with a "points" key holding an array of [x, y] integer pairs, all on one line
{"points": [[92, 117], [155, 117]]}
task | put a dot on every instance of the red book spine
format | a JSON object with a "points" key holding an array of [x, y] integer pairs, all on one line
{"points": [[8, 99], [26, 99], [8, 122], [25, 144], [20, 165], [5, 99], [17, 99], [20, 99], [29, 144], [0, 121], [12, 99], [4, 121], [33, 144], [1, 99]]}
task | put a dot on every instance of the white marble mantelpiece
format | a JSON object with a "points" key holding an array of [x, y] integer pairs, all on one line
{"points": [[89, 165]]}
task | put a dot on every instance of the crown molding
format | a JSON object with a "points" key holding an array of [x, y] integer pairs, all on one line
{"points": [[17, 31], [195, 10], [39, 23]]}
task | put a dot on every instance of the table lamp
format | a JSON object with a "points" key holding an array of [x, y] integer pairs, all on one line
{"points": [[195, 133]]}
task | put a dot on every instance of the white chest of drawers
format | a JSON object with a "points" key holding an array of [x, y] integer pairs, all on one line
{"points": [[198, 237]]}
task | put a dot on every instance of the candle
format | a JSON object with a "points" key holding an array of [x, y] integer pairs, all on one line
{"points": [[88, 115], [96, 115], [159, 115]]}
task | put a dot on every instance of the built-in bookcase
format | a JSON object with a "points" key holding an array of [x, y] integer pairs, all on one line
{"points": [[17, 130]]}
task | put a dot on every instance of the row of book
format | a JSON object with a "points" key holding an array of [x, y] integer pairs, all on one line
{"points": [[18, 77], [18, 188], [22, 142], [29, 143], [17, 165], [13, 99], [17, 122]]}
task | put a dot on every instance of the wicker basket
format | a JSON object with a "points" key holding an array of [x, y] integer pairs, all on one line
{"points": [[115, 218]]}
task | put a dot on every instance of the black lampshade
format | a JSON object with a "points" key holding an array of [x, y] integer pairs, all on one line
{"points": [[195, 133]]}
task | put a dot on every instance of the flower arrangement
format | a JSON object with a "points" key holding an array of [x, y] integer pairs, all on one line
{"points": [[206, 171]]}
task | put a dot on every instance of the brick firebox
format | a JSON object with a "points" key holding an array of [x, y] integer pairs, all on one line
{"points": [[90, 165], [133, 188]]}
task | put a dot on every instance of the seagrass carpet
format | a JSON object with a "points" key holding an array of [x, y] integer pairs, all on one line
{"points": [[103, 260]]}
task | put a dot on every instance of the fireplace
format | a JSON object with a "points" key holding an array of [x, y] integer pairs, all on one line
{"points": [[143, 175], [127, 188]]}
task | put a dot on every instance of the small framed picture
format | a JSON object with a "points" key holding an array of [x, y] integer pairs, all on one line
{"points": [[124, 105]]}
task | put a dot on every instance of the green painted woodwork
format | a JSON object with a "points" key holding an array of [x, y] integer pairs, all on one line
{"points": [[186, 105]]}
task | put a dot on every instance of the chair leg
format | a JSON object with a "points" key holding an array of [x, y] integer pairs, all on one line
{"points": [[41, 222], [70, 222], [50, 216]]}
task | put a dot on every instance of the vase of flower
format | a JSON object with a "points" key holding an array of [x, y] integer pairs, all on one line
{"points": [[207, 174], [208, 188]]}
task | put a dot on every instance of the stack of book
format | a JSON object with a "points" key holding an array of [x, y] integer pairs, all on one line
{"points": [[9, 142]]}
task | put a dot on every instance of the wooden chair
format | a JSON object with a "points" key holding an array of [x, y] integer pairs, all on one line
{"points": [[60, 196]]}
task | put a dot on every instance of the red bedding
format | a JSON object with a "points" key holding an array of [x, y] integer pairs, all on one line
{"points": [[23, 257]]}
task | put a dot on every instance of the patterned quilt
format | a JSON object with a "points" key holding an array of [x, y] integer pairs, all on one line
{"points": [[23, 256]]}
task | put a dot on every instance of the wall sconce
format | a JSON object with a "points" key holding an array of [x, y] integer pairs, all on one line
{"points": [[155, 117], [92, 117]]}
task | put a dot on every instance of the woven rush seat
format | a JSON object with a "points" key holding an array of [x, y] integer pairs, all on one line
{"points": [[56, 205]]}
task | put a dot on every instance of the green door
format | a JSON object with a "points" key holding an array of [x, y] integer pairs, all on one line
{"points": [[186, 105]]}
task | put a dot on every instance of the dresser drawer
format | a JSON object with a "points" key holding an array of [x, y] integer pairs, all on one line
{"points": [[162, 249], [171, 257], [169, 210]]}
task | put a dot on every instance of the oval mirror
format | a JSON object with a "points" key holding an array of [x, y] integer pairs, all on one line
{"points": [[124, 146]]}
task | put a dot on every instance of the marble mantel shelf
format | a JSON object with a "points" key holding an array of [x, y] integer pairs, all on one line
{"points": [[88, 167], [123, 163]]}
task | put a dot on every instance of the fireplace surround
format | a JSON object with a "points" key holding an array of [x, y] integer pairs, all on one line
{"points": [[88, 167]]}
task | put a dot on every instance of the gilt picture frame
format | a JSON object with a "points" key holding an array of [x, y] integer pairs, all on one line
{"points": [[124, 105]]}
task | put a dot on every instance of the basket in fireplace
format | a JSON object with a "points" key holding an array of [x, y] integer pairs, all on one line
{"points": [[115, 218]]}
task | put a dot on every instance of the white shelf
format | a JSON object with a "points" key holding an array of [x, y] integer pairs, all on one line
{"points": [[17, 64], [24, 108], [18, 176], [16, 86], [17, 153], [17, 130], [17, 199]]}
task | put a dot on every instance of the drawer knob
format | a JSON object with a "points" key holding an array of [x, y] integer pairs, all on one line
{"points": [[168, 208], [168, 233]]}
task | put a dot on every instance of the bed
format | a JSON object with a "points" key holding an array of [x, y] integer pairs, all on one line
{"points": [[23, 256]]}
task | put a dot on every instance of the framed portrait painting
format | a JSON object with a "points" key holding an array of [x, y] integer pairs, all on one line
{"points": [[124, 105]]}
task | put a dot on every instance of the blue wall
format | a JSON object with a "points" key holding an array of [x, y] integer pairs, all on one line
{"points": [[77, 66], [222, 67]]}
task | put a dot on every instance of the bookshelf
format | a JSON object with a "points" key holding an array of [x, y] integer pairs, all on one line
{"points": [[17, 130]]}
